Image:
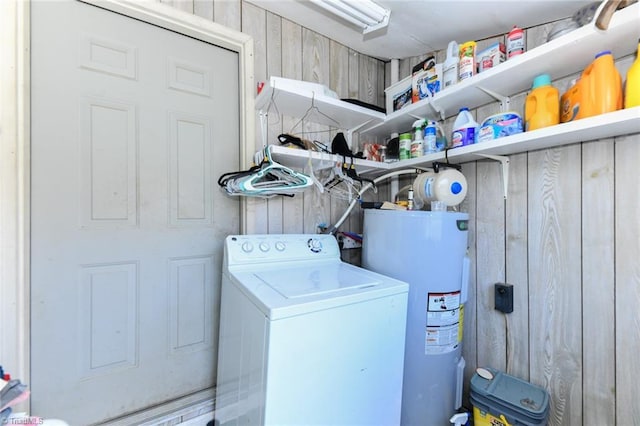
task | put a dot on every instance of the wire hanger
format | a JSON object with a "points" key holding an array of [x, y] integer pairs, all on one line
{"points": [[313, 108], [264, 117]]}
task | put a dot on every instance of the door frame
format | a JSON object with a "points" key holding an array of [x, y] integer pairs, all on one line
{"points": [[15, 148]]}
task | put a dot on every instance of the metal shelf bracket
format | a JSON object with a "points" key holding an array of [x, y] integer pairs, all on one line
{"points": [[505, 170], [264, 117], [437, 109], [350, 132], [505, 101]]}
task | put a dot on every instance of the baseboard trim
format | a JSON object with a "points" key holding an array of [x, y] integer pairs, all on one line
{"points": [[172, 413]]}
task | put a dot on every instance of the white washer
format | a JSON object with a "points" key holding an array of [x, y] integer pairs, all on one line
{"points": [[306, 339]]}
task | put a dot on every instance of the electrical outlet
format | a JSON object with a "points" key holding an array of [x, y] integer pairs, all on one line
{"points": [[504, 297]]}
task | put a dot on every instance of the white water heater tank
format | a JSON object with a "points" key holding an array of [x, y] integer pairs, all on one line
{"points": [[427, 250]]}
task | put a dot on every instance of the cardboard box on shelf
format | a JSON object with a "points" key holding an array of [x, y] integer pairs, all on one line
{"points": [[426, 79], [491, 56]]}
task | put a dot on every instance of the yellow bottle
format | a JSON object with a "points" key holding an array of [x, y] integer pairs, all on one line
{"points": [[601, 87], [542, 106], [632, 90]]}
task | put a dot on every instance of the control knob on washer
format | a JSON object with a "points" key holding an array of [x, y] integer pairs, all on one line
{"points": [[247, 247], [264, 247], [315, 245], [280, 246]]}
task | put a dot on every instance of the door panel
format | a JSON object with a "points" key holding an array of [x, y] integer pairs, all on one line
{"points": [[130, 125]]}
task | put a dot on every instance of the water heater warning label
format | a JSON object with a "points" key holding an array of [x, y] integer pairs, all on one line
{"points": [[443, 318]]}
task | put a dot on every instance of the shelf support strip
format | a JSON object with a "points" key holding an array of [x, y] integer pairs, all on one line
{"points": [[504, 161], [505, 101]]}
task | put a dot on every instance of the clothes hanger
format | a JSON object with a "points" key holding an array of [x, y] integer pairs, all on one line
{"points": [[340, 185], [314, 109], [267, 179], [264, 119]]}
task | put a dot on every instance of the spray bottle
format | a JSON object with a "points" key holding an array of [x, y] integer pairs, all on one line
{"points": [[417, 144], [430, 135]]}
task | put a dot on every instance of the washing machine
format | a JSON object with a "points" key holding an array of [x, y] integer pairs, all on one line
{"points": [[306, 339]]}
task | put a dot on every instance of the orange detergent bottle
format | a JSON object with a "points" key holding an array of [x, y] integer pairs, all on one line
{"points": [[597, 91], [600, 86], [542, 106], [570, 102]]}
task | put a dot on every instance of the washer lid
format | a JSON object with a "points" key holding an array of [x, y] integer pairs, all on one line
{"points": [[305, 281], [312, 286]]}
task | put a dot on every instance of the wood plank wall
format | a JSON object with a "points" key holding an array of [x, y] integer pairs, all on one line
{"points": [[567, 237]]}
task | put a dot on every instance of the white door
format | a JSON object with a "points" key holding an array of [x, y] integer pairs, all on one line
{"points": [[131, 126]]}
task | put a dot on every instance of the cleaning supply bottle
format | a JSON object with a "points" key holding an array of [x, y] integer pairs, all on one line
{"points": [[465, 129], [542, 106], [417, 144], [441, 139], [515, 42], [570, 102], [450, 66], [404, 146], [467, 64], [446, 185], [601, 86], [430, 133], [632, 88]]}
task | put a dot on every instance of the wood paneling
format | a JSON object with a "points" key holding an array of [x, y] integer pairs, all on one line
{"points": [[516, 268], [254, 23], [470, 326], [315, 68], [627, 285], [293, 207], [339, 78], [555, 310], [228, 13], [274, 68], [489, 265], [598, 282]]}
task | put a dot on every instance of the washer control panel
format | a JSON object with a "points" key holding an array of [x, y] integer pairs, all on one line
{"points": [[245, 249]]}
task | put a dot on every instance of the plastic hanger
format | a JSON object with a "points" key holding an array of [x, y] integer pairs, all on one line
{"points": [[267, 179]]}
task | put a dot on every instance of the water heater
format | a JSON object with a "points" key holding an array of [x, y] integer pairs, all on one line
{"points": [[428, 251]]}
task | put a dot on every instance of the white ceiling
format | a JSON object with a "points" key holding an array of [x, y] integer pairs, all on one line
{"points": [[417, 27]]}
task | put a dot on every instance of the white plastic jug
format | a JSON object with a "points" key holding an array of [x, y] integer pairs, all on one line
{"points": [[465, 129], [450, 66], [447, 185]]}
